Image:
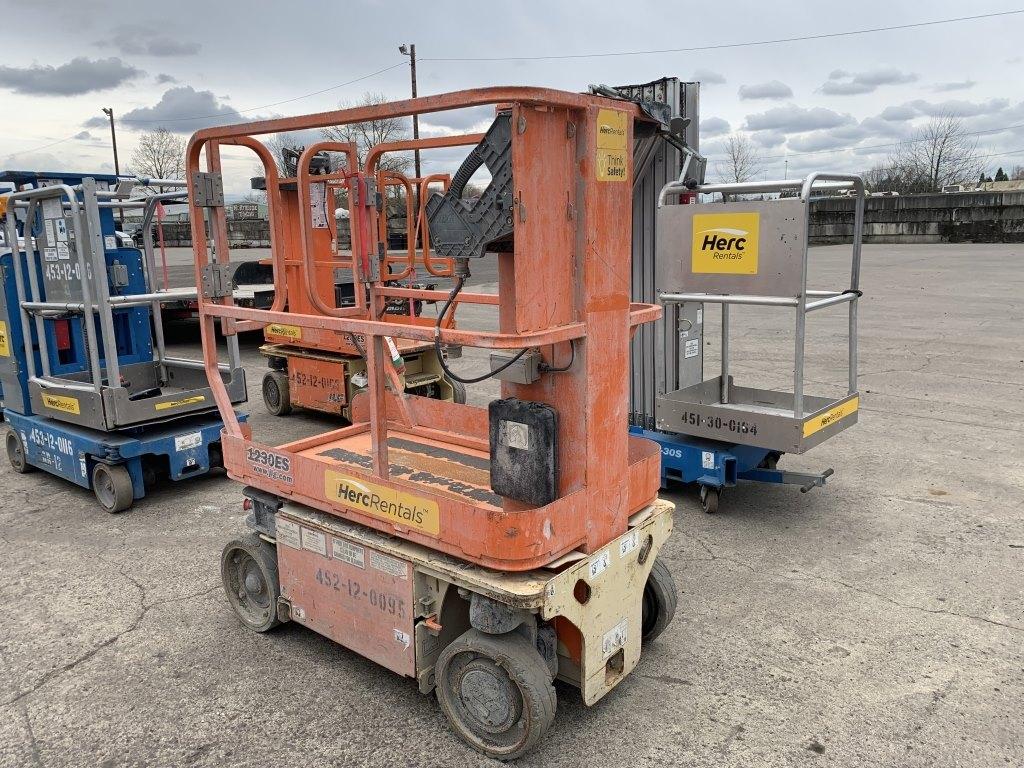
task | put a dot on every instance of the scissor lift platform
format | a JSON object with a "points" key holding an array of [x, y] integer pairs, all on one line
{"points": [[443, 477], [759, 417]]}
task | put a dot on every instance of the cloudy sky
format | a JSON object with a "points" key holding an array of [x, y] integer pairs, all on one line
{"points": [[836, 103]]}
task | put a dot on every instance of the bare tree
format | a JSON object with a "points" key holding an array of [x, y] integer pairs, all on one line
{"points": [[742, 160], [1017, 174], [159, 154], [367, 135], [939, 153], [882, 178]]}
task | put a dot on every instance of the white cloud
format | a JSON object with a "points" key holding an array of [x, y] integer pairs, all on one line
{"points": [[140, 40], [843, 83], [182, 110], [773, 89], [78, 76], [959, 108], [794, 119], [713, 126], [959, 85]]}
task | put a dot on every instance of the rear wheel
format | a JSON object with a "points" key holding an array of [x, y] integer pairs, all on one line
{"points": [[113, 487], [16, 452], [496, 692], [248, 569], [659, 602], [276, 396]]}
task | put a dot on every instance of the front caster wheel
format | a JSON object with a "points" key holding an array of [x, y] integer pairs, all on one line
{"points": [[276, 395], [248, 568], [496, 692], [709, 498], [113, 487], [659, 602]]}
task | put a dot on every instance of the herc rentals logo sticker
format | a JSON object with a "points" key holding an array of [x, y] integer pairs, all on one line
{"points": [[288, 331], [5, 344], [384, 503], [725, 243], [611, 160], [61, 403]]}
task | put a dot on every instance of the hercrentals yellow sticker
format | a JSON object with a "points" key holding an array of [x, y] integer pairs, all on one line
{"points": [[612, 162], [288, 331], [831, 416], [5, 340], [168, 404], [383, 503], [62, 403], [725, 243]]}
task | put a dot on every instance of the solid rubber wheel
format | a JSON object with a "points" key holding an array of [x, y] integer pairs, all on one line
{"points": [[16, 452], [248, 568], [709, 497], [496, 692], [276, 396], [659, 602], [113, 487]]}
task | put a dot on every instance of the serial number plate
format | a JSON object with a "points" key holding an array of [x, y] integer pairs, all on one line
{"points": [[738, 426], [382, 601]]}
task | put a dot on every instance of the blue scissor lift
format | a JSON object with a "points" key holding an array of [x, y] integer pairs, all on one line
{"points": [[89, 391]]}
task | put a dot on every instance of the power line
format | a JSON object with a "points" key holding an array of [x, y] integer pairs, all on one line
{"points": [[266, 106], [721, 46], [44, 146]]}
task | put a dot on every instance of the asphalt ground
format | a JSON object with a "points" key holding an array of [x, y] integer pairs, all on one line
{"points": [[875, 622]]}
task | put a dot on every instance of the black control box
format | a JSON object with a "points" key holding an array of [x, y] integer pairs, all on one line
{"points": [[524, 450]]}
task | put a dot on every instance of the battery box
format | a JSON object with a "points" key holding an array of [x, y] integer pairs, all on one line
{"points": [[524, 450]]}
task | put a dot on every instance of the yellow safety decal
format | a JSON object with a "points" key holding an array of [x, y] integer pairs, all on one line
{"points": [[384, 503], [830, 416], [612, 161], [611, 129], [288, 331], [62, 404], [3, 206], [5, 342], [725, 243], [168, 404]]}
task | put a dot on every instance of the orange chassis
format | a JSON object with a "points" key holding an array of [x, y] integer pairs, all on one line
{"points": [[567, 281]]}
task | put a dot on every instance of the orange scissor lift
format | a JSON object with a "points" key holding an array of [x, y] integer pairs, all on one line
{"points": [[325, 371], [483, 552]]}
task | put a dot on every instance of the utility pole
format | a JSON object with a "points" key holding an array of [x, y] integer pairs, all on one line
{"points": [[109, 112], [410, 51]]}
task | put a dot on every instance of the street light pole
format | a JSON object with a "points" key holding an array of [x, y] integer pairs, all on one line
{"points": [[109, 112], [410, 51]]}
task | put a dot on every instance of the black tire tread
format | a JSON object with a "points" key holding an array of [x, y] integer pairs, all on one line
{"points": [[663, 586], [524, 664]]}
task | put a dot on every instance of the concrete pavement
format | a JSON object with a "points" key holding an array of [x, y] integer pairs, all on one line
{"points": [[876, 622]]}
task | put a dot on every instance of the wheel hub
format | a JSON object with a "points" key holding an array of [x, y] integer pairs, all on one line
{"points": [[253, 584], [489, 696]]}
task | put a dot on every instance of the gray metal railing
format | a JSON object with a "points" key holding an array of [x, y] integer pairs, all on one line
{"points": [[824, 298]]}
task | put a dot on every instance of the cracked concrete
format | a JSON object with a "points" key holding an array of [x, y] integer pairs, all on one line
{"points": [[876, 622]]}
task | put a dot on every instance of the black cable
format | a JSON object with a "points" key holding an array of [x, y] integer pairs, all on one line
{"points": [[440, 353], [545, 368]]}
